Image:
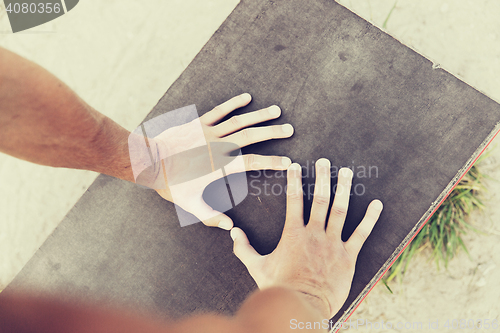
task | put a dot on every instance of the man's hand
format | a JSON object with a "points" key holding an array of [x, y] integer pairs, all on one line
{"points": [[43, 121], [222, 137], [312, 258]]}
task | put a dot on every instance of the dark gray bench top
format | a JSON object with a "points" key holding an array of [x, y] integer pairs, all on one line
{"points": [[354, 95]]}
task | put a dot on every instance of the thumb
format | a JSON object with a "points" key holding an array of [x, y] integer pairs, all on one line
{"points": [[242, 248], [210, 216]]}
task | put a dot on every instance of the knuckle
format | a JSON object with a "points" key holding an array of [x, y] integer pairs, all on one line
{"points": [[246, 134], [209, 223], [294, 195], [292, 231], [362, 235], [235, 121], [276, 161], [277, 130], [339, 211], [266, 114], [321, 200], [250, 161], [217, 109]]}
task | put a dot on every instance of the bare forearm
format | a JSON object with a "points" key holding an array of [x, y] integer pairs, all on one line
{"points": [[274, 310], [43, 121], [279, 310]]}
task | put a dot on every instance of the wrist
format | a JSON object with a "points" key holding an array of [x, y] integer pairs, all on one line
{"points": [[259, 310], [106, 151], [144, 156], [321, 305]]}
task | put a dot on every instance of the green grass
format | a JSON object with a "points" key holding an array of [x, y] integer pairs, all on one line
{"points": [[384, 25], [444, 231]]}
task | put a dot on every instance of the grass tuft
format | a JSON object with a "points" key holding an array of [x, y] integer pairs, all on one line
{"points": [[384, 25], [444, 231]]}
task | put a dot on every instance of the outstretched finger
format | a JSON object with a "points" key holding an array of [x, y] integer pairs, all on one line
{"points": [[242, 248], [294, 198], [340, 204], [251, 135], [220, 111], [321, 200], [252, 162], [209, 216], [236, 123], [359, 236]]}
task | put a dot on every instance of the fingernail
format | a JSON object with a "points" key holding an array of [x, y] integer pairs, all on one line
{"points": [[275, 111], [246, 96], [377, 204], [323, 162], [287, 128], [225, 224], [233, 234], [286, 161], [346, 172], [294, 167]]}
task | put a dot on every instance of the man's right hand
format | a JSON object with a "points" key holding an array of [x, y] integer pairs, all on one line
{"points": [[223, 137], [312, 259]]}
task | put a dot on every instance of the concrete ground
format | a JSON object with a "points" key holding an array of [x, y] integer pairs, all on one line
{"points": [[121, 57]]}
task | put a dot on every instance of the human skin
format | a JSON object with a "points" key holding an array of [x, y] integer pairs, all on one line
{"points": [[234, 132], [312, 258], [306, 278], [264, 311], [43, 121]]}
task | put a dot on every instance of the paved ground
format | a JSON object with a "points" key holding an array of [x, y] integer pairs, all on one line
{"points": [[121, 56]]}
